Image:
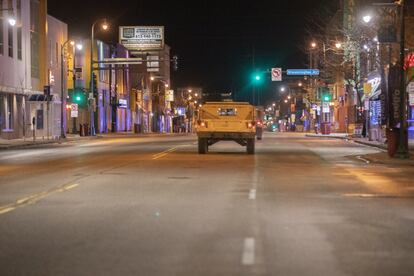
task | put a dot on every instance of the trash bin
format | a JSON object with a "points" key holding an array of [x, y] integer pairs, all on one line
{"points": [[326, 128], [392, 141], [86, 130], [81, 130]]}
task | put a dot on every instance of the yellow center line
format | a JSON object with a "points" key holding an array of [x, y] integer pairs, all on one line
{"points": [[35, 198], [166, 152]]}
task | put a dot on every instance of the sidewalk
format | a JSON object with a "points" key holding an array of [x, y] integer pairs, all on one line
{"points": [[363, 141], [28, 142], [379, 158]]}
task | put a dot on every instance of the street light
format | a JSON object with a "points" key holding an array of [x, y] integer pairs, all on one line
{"points": [[338, 45], [105, 27], [367, 18], [282, 89], [12, 19], [313, 45]]}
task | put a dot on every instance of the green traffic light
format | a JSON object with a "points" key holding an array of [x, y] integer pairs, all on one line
{"points": [[78, 98], [326, 98], [257, 77]]}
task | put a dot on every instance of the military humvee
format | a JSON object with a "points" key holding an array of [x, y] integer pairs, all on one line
{"points": [[226, 121]]}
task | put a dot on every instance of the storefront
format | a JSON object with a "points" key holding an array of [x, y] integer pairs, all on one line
{"points": [[374, 106]]}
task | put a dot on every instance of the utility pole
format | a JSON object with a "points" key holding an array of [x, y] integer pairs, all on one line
{"points": [[402, 150], [254, 70]]}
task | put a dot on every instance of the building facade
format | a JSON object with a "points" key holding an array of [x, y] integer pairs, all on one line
{"points": [[23, 51]]}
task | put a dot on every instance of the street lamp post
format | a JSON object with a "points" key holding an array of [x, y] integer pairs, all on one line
{"points": [[402, 150], [62, 91], [91, 94]]}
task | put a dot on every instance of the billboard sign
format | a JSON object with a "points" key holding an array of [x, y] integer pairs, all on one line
{"points": [[142, 38]]}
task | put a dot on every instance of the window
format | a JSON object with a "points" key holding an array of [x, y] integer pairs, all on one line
{"points": [[10, 30], [34, 38], [19, 29], [9, 112], [57, 53], [10, 38], [1, 29], [227, 111]]}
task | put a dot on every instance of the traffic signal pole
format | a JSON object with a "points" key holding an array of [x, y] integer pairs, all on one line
{"points": [[402, 150]]}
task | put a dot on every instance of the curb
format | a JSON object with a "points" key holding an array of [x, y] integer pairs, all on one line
{"points": [[29, 144], [328, 136], [382, 147]]}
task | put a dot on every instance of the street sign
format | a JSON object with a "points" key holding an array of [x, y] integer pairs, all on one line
{"points": [[303, 72], [410, 91], [411, 99], [276, 74], [169, 95], [74, 110], [325, 107]]}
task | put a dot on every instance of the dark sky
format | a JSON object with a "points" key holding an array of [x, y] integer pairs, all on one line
{"points": [[213, 39]]}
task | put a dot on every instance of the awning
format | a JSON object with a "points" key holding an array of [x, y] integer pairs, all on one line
{"points": [[40, 98]]}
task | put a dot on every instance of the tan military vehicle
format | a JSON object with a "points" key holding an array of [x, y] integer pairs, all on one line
{"points": [[226, 121]]}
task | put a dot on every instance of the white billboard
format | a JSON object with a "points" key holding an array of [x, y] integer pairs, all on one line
{"points": [[142, 38]]}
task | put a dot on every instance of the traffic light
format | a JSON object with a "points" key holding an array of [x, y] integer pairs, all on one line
{"points": [[95, 85], [325, 94], [78, 97], [257, 78], [326, 97]]}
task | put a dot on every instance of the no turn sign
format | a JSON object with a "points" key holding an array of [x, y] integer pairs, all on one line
{"points": [[276, 74]]}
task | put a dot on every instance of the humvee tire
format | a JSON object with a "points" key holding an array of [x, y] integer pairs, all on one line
{"points": [[250, 146], [202, 146]]}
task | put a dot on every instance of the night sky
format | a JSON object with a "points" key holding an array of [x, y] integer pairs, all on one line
{"points": [[213, 39]]}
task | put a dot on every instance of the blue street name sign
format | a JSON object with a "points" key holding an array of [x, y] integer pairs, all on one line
{"points": [[302, 72]]}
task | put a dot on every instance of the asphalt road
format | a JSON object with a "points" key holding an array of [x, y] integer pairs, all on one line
{"points": [[153, 206]]}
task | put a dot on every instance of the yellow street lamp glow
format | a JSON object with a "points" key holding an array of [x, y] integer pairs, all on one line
{"points": [[166, 85], [300, 84], [313, 44], [289, 97], [152, 78], [338, 45], [196, 94], [189, 90], [105, 26], [72, 42], [286, 101], [274, 104]]}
